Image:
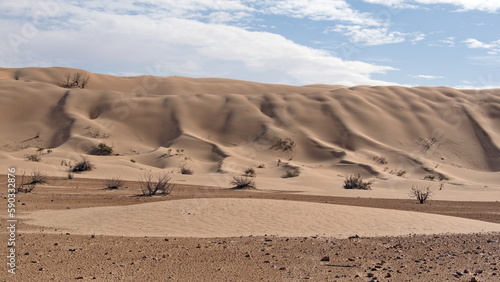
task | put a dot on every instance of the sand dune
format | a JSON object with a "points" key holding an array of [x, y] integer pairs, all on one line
{"points": [[244, 217], [220, 127]]}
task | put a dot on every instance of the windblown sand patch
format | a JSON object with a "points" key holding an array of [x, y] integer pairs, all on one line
{"points": [[236, 217]]}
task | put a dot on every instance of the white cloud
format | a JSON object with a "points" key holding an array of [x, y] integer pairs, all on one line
{"points": [[427, 76], [376, 36], [492, 47], [490, 6], [338, 10], [115, 40]]}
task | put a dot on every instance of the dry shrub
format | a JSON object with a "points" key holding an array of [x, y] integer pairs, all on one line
{"points": [[114, 183], [153, 184], [241, 182], [421, 194], [356, 182]]}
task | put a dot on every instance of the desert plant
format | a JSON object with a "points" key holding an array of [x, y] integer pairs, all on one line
{"points": [[429, 177], [292, 172], [26, 187], [399, 173], [133, 161], [250, 172], [151, 184], [356, 182], [421, 194], [240, 182], [283, 144], [75, 80], [38, 177], [113, 183], [186, 170], [261, 166], [380, 160], [33, 158], [40, 150], [102, 149], [70, 175], [83, 165]]}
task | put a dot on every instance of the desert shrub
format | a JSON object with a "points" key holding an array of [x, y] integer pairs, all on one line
{"points": [[33, 158], [70, 175], [186, 170], [97, 133], [38, 177], [113, 183], [429, 177], [83, 165], [75, 80], [153, 184], [399, 173], [356, 182], [283, 144], [240, 182], [421, 194], [102, 149], [27, 187], [250, 172], [292, 172], [132, 160], [380, 160], [261, 166]]}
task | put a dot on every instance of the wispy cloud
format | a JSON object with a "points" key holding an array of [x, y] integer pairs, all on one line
{"points": [[490, 6], [492, 47], [427, 76], [372, 36]]}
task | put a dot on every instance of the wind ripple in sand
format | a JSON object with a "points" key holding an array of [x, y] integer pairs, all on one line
{"points": [[236, 217]]}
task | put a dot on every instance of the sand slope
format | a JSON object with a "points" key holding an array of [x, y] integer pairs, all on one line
{"points": [[236, 217], [220, 127]]}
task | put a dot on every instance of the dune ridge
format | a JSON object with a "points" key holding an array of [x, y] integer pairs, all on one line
{"points": [[219, 127]]}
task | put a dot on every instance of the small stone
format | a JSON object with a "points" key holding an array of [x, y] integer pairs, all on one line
{"points": [[370, 274], [72, 250], [282, 268], [473, 279], [27, 253], [388, 275], [459, 273], [325, 258], [79, 277], [266, 261]]}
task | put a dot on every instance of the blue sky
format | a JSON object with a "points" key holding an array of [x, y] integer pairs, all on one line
{"points": [[453, 43]]}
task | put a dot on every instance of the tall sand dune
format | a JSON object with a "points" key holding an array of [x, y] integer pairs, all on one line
{"points": [[392, 135]]}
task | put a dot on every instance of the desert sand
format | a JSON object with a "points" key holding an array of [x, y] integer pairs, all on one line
{"points": [[395, 137]]}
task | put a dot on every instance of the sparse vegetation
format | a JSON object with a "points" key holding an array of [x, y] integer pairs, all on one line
{"points": [[156, 184], [133, 161], [421, 194], [102, 149], [261, 166], [426, 144], [292, 172], [186, 170], [37, 177], [241, 182], [83, 165], [356, 182], [283, 144], [429, 177], [96, 133], [381, 160], [250, 172], [399, 173], [114, 183], [33, 158], [75, 80], [70, 175]]}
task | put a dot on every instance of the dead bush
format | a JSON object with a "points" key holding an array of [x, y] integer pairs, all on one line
{"points": [[421, 194], [356, 182], [156, 184], [114, 183], [75, 80], [83, 165], [241, 182]]}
